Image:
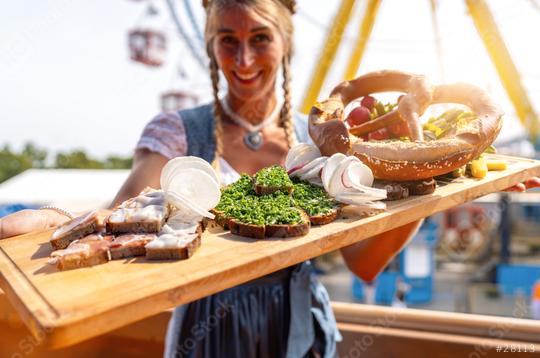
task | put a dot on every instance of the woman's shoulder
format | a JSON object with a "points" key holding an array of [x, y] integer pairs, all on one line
{"points": [[167, 133], [198, 119]]}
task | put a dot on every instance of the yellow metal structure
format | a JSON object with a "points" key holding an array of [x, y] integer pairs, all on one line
{"points": [[366, 26], [437, 34], [508, 73], [333, 39]]}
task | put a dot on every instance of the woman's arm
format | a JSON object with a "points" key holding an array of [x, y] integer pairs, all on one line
{"points": [[369, 257], [146, 171]]}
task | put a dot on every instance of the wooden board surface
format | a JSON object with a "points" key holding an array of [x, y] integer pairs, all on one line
{"points": [[67, 307]]}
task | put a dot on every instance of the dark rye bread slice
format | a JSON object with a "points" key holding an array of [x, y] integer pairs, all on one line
{"points": [[130, 245], [135, 227], [221, 219], [421, 187], [323, 219], [98, 253], [397, 190], [75, 229], [145, 213], [271, 231], [178, 253], [74, 262]]}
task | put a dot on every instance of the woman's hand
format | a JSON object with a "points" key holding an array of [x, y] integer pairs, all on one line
{"points": [[528, 184], [25, 221]]}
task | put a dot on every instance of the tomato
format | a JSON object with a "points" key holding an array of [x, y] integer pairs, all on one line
{"points": [[379, 134], [358, 116], [368, 102]]}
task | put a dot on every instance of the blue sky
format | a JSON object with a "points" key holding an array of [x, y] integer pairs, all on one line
{"points": [[66, 81]]}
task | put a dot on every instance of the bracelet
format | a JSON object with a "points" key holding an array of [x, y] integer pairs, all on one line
{"points": [[67, 213]]}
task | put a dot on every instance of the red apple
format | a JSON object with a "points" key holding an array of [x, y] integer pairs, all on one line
{"points": [[358, 116], [368, 102]]}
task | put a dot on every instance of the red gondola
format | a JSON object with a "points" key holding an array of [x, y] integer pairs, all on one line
{"points": [[147, 47]]}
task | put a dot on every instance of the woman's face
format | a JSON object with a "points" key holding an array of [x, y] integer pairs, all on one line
{"points": [[249, 51]]}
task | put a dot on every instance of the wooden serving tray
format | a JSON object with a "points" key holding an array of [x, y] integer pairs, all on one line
{"points": [[64, 308]]}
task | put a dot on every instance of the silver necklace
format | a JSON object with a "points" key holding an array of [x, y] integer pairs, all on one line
{"points": [[253, 139]]}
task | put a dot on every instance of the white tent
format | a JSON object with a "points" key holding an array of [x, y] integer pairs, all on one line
{"points": [[71, 189]]}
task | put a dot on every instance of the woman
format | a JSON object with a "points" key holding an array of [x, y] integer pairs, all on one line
{"points": [[286, 313]]}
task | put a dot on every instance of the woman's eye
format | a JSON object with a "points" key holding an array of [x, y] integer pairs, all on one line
{"points": [[228, 40], [261, 38]]}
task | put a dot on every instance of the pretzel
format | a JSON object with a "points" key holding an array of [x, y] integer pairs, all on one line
{"points": [[405, 160]]}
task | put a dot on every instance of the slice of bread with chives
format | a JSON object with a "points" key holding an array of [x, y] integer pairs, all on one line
{"points": [[315, 202], [274, 230], [272, 179]]}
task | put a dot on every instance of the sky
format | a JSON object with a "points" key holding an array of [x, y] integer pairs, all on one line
{"points": [[66, 81]]}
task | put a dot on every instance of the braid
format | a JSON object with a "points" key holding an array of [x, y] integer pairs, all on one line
{"points": [[218, 128], [286, 116]]}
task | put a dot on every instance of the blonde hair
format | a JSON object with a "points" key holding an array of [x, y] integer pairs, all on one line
{"points": [[279, 15]]}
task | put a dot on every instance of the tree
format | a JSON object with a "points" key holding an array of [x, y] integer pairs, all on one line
{"points": [[76, 159], [31, 156], [12, 163]]}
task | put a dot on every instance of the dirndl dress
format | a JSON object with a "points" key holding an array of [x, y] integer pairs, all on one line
{"points": [[284, 314]]}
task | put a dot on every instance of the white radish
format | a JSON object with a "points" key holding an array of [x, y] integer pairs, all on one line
{"points": [[316, 181], [186, 207], [328, 169], [357, 201], [298, 149], [336, 185], [309, 166], [196, 186], [179, 164], [358, 174], [299, 156], [315, 172]]}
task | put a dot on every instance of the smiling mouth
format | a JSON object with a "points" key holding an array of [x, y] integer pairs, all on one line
{"points": [[247, 78]]}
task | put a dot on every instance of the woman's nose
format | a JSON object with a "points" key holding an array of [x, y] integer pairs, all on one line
{"points": [[244, 56]]}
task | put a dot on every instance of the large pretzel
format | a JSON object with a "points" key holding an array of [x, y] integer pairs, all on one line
{"points": [[405, 160]]}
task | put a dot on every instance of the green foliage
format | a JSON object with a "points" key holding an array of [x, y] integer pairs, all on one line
{"points": [[77, 159], [12, 163], [31, 156]]}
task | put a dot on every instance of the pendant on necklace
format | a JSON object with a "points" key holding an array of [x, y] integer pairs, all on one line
{"points": [[253, 140]]}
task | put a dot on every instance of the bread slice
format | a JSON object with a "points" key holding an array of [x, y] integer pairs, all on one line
{"points": [[272, 179], [221, 219], [74, 229], [284, 231], [130, 245], [178, 240], [118, 228], [327, 218], [145, 213], [397, 190], [421, 187], [246, 230], [89, 251], [271, 231], [177, 253]]}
